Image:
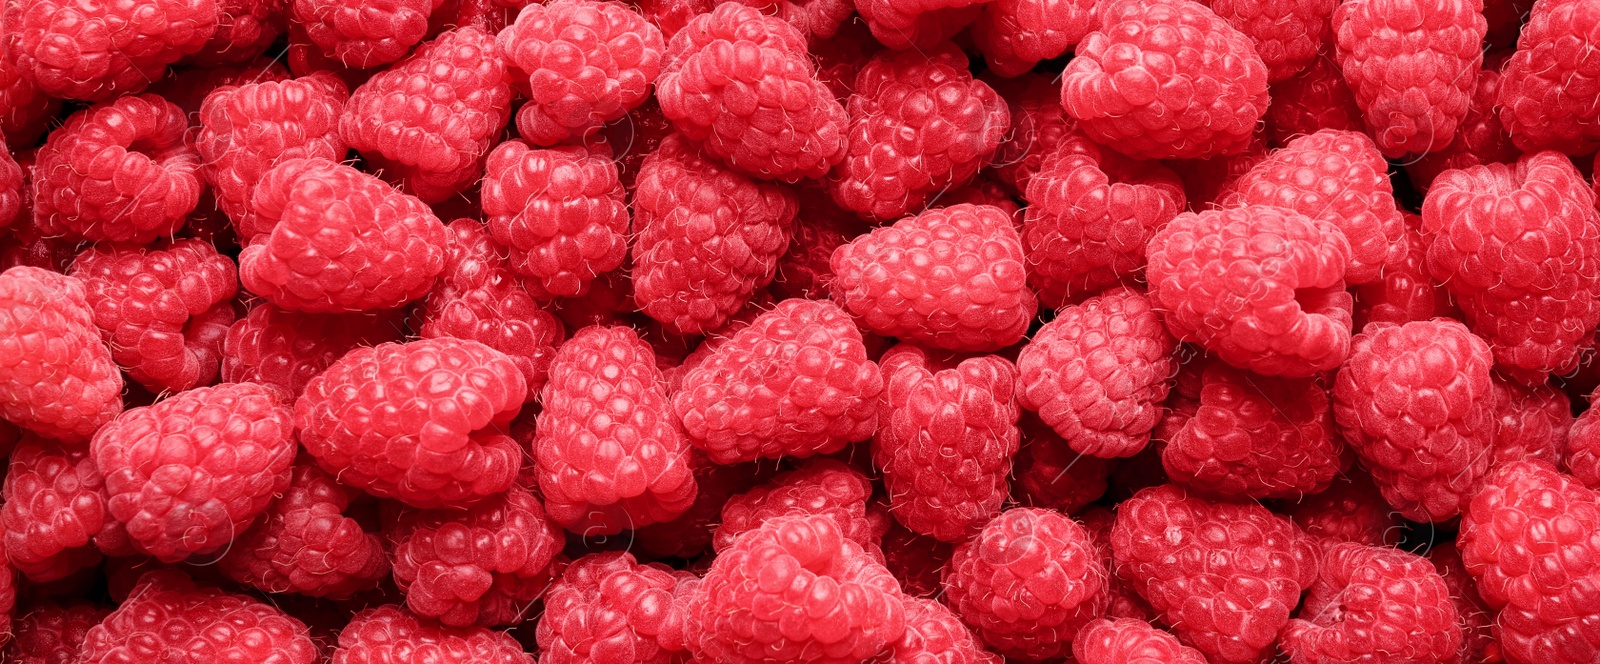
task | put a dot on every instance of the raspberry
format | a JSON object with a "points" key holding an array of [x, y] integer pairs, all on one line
{"points": [[1403, 292], [1097, 374], [1027, 582], [764, 112], [916, 24], [418, 422], [92, 51], [306, 544], [1125, 91], [1338, 177], [1530, 422], [1090, 216], [610, 458], [690, 534], [479, 299], [935, 634], [1479, 644], [391, 635], [949, 278], [360, 34], [1540, 101], [1371, 604], [1316, 98], [671, 16], [585, 63], [1038, 126], [163, 311], [484, 566], [796, 382], [25, 110], [333, 239], [1288, 34], [1480, 139], [560, 211], [246, 130], [917, 561], [1225, 575], [188, 473], [795, 589], [1414, 401], [1523, 539], [945, 440], [820, 487], [119, 171], [56, 376], [1130, 641], [1394, 53], [608, 607], [1262, 287], [52, 633], [427, 122], [13, 188], [1350, 510], [919, 125], [286, 349], [245, 30], [818, 20], [707, 237], [170, 620], [489, 16], [55, 511], [634, 137], [1050, 474], [1581, 456], [1533, 307], [820, 227], [1014, 35]]}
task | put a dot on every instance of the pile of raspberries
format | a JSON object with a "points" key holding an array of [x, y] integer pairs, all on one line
{"points": [[799, 331]]}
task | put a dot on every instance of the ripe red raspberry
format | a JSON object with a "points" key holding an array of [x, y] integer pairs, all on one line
{"points": [[917, 561], [1130, 641], [1479, 644], [1126, 93], [483, 566], [1225, 575], [164, 312], [1581, 456], [25, 110], [690, 534], [248, 129], [56, 376], [1394, 53], [750, 606], [707, 238], [1052, 475], [1287, 34], [1261, 287], [119, 171], [949, 278], [1525, 538], [189, 473], [1404, 292], [55, 516], [919, 25], [1090, 216], [245, 30], [333, 239], [53, 633], [608, 607], [427, 122], [1534, 307], [479, 299], [1374, 604], [1316, 98], [1027, 582], [1256, 437], [391, 635], [559, 211], [583, 63], [13, 189], [361, 34], [919, 126], [821, 226], [818, 20], [1530, 423], [935, 634], [947, 432], [306, 544], [610, 458], [92, 51], [1416, 403], [1481, 139], [196, 624], [764, 112], [634, 137], [418, 422], [1014, 35], [1338, 177], [286, 349], [1540, 101], [1350, 510], [1038, 126], [1098, 373], [822, 486]]}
